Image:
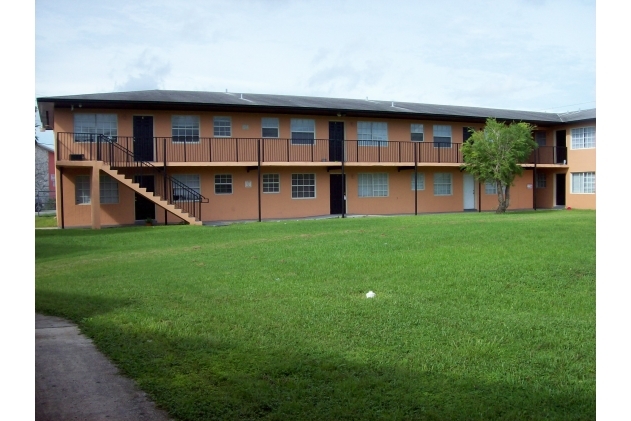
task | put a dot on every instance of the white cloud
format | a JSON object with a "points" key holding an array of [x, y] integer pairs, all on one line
{"points": [[515, 54]]}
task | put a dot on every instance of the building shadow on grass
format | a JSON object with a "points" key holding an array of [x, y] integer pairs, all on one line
{"points": [[73, 306], [198, 378]]}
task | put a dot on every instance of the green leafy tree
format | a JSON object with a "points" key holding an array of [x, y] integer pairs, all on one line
{"points": [[494, 154]]}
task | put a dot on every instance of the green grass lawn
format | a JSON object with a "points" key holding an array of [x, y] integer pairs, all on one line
{"points": [[45, 221], [476, 316]]}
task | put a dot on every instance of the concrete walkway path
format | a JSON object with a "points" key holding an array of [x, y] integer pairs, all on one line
{"points": [[74, 381]]}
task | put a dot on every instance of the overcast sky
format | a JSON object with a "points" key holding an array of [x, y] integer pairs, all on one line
{"points": [[517, 54]]}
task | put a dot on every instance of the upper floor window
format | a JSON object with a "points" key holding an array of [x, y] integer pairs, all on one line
{"points": [[302, 131], [372, 133], [540, 138], [87, 127], [185, 128], [416, 132], [584, 138], [442, 136], [222, 127], [269, 127]]}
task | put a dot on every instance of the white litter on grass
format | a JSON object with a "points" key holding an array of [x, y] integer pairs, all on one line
{"points": [[370, 294]]}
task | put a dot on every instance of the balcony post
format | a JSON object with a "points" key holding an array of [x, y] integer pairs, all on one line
{"points": [[534, 186], [164, 177], [415, 179], [259, 175], [343, 184]]}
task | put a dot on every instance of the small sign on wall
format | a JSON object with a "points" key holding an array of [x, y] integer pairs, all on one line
{"points": [[248, 184], [529, 186]]}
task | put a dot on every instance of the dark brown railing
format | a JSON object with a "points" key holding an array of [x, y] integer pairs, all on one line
{"points": [[176, 193], [166, 149]]}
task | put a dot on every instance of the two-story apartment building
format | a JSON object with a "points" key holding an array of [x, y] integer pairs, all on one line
{"points": [[175, 156]]}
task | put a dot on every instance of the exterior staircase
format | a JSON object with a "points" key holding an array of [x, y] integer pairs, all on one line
{"points": [[149, 195], [111, 156]]}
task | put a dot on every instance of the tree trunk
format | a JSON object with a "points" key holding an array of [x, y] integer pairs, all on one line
{"points": [[503, 197]]}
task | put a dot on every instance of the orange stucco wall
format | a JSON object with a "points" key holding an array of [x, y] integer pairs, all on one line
{"points": [[79, 215], [521, 194], [248, 125], [242, 203], [580, 160]]}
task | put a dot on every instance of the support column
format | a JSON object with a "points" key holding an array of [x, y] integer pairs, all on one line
{"points": [[95, 196], [59, 182]]}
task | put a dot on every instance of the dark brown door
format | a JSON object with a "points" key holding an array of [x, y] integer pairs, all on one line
{"points": [[336, 140], [337, 194], [143, 138], [560, 186], [561, 149], [145, 208]]}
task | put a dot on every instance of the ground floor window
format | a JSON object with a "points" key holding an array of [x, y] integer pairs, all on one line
{"points": [[271, 183], [82, 190], [372, 185], [541, 180], [185, 186], [490, 187], [584, 182], [223, 183], [420, 181], [109, 189], [302, 186], [442, 184]]}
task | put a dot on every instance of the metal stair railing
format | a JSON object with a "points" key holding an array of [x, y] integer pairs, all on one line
{"points": [[166, 187]]}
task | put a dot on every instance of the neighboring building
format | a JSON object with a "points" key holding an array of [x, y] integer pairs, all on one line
{"points": [[44, 174], [223, 156]]}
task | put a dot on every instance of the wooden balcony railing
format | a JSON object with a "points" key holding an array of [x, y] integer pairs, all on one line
{"points": [[81, 146]]}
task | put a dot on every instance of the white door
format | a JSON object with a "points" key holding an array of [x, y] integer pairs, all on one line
{"points": [[469, 191]]}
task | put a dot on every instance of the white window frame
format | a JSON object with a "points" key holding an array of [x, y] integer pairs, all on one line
{"points": [[192, 181], [583, 138], [223, 181], [270, 123], [185, 131], [442, 130], [372, 133], [299, 126], [439, 182], [373, 185], [271, 183], [300, 184], [584, 182], [420, 179], [222, 126], [416, 129], [87, 126], [82, 190], [108, 190]]}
